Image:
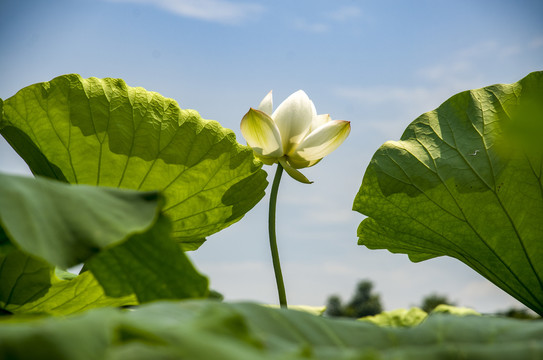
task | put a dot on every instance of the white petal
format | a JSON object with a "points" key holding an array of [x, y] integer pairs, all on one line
{"points": [[261, 134], [295, 174], [266, 105], [322, 141], [320, 120], [293, 118]]}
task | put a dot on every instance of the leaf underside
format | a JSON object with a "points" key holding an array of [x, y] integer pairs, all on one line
{"points": [[119, 234], [66, 224], [103, 132], [465, 181]]}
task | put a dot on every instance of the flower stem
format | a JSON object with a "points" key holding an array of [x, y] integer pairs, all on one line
{"points": [[273, 240]]}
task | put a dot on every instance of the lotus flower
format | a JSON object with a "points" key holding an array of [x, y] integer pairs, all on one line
{"points": [[293, 135]]}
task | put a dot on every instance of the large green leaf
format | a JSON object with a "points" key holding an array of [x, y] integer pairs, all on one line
{"points": [[103, 132], [465, 180], [120, 233], [66, 224], [149, 265], [30, 285], [203, 330]]}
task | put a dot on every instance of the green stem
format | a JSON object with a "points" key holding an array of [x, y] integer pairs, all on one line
{"points": [[273, 240]]}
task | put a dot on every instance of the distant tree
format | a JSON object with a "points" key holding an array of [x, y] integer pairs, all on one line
{"points": [[517, 313], [363, 303], [333, 306], [430, 302]]}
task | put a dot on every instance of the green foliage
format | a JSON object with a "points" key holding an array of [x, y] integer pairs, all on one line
{"points": [[120, 234], [465, 180], [363, 303], [516, 313], [333, 306], [132, 177], [398, 317], [65, 225], [450, 309], [430, 302], [414, 316], [211, 330], [103, 132]]}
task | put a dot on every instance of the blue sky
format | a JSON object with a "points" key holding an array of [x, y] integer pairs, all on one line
{"points": [[379, 64]]}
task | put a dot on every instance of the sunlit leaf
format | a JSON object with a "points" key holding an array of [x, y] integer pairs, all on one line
{"points": [[30, 285], [103, 132], [465, 181]]}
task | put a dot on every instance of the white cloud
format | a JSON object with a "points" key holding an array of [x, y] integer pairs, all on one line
{"points": [[313, 27], [345, 13], [536, 42], [334, 215], [490, 48], [342, 14], [463, 69], [384, 94], [486, 297], [221, 11], [391, 104], [388, 109], [241, 280], [452, 73]]}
